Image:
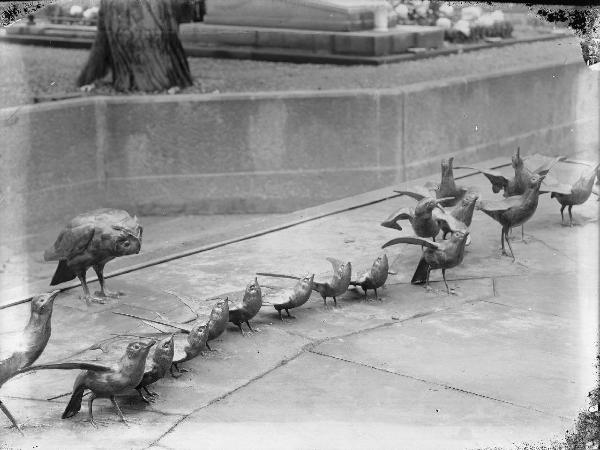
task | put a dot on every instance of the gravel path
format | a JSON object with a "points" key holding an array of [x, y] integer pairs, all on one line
{"points": [[27, 71]]}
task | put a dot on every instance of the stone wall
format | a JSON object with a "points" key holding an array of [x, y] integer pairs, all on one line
{"points": [[275, 152]]}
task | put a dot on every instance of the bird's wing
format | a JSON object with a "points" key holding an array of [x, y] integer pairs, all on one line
{"points": [[70, 242], [277, 275], [418, 193], [541, 163], [180, 326], [558, 188], [453, 223], [495, 177], [67, 366], [278, 298], [335, 263], [412, 240], [501, 205], [401, 214]]}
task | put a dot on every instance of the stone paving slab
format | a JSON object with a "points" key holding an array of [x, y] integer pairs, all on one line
{"points": [[492, 286], [352, 406], [475, 348]]}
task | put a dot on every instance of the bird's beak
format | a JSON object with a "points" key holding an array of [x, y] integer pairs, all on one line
{"points": [[150, 344], [53, 295]]}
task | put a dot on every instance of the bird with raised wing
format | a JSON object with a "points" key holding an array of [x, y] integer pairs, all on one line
{"points": [[375, 277], [342, 275], [126, 374], [436, 255], [573, 194], [291, 298], [92, 239], [513, 211], [426, 217], [159, 365]]}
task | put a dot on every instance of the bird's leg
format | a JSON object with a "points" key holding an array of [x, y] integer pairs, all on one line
{"points": [[142, 396], [502, 233], [119, 412], [570, 216], [523, 234], [377, 298], [324, 301], [175, 374], [511, 250], [239, 324], [280, 316], [89, 298], [427, 287], [90, 415], [99, 269], [366, 296], [11, 418], [150, 393], [248, 323], [334, 302], [209, 349], [288, 314], [445, 282], [562, 216]]}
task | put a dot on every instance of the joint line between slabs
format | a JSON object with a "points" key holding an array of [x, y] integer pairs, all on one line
{"points": [[445, 386], [229, 393]]}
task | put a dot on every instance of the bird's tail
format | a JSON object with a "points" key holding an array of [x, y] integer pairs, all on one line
{"points": [[277, 275], [420, 275], [63, 273], [75, 403]]}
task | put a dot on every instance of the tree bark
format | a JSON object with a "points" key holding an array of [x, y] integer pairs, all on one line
{"points": [[137, 41]]}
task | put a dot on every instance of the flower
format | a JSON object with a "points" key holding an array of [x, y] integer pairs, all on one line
{"points": [[443, 22], [463, 26], [446, 9], [471, 13], [76, 10]]}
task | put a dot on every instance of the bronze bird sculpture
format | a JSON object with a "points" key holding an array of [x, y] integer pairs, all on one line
{"points": [[574, 194], [91, 240], [196, 342], [292, 298], [436, 255], [447, 191], [463, 213], [518, 184], [160, 364], [426, 217], [513, 211], [217, 322], [342, 275], [20, 350], [375, 277], [248, 308], [126, 374]]}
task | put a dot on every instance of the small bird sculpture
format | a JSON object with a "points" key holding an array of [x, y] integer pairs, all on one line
{"points": [[292, 298], [342, 275], [375, 277], [21, 349], [248, 308], [91, 240], [426, 217], [518, 184], [463, 213], [196, 343], [513, 211], [126, 374], [574, 194], [447, 191], [436, 255], [160, 364]]}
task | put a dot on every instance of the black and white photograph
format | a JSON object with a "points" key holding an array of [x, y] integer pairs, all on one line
{"points": [[299, 224]]}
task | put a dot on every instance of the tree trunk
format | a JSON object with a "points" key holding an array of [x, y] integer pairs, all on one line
{"points": [[137, 40]]}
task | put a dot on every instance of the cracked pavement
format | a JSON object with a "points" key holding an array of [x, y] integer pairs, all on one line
{"points": [[508, 358]]}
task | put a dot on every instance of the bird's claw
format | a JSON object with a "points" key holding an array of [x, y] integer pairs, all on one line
{"points": [[91, 299], [109, 294]]}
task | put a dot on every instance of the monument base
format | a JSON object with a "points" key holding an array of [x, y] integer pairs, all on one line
{"points": [[324, 15], [395, 41]]}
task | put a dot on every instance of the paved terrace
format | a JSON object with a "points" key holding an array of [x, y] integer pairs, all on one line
{"points": [[508, 358]]}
